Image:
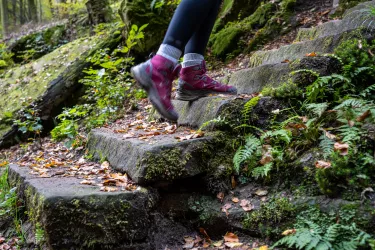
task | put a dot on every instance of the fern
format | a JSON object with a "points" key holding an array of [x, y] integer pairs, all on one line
{"points": [[250, 151], [248, 107], [218, 121], [263, 171], [317, 108], [278, 135], [350, 134], [326, 145], [353, 102], [365, 93]]}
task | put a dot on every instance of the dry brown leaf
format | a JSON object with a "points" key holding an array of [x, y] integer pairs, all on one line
{"points": [[261, 192], [289, 232], [220, 196], [233, 182], [218, 243], [312, 54], [235, 200], [233, 244], [351, 123], [108, 189], [343, 148], [105, 165], [286, 61], [3, 164], [87, 182], [225, 208], [246, 205], [206, 244], [322, 164], [204, 233], [364, 116], [329, 135], [231, 237], [45, 175]]}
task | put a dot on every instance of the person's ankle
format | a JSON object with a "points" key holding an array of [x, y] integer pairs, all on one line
{"points": [[170, 53], [192, 59]]}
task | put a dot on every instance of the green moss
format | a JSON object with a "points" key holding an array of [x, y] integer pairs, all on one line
{"points": [[206, 207], [29, 82], [345, 5], [306, 34], [226, 40], [35, 203], [269, 217], [285, 90], [167, 165]]}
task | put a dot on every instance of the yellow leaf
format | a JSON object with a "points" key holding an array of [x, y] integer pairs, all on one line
{"points": [[263, 248], [231, 237]]}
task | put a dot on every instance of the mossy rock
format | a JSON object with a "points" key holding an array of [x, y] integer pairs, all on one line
{"points": [[36, 45], [75, 216], [46, 83], [139, 12]]}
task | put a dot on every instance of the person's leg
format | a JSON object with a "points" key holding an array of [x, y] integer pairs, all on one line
{"points": [[193, 82], [157, 74]]}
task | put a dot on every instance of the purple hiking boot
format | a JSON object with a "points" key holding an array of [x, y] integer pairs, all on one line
{"points": [[156, 77], [194, 84]]}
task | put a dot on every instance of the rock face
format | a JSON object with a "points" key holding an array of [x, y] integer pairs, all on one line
{"points": [[75, 216], [139, 12], [45, 83], [164, 161]]}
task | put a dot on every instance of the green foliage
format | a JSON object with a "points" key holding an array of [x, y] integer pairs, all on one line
{"points": [[39, 234], [250, 152], [29, 121], [108, 86], [5, 57], [315, 230], [205, 207], [268, 218], [158, 4], [248, 107]]}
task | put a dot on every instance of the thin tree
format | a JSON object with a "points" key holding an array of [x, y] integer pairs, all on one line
{"points": [[4, 17]]}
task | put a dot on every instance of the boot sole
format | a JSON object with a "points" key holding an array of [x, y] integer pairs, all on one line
{"points": [[147, 84], [187, 95]]}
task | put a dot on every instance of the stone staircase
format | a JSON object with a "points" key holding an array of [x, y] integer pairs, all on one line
{"points": [[80, 217]]}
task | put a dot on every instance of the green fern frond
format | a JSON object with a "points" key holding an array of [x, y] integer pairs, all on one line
{"points": [[365, 93], [353, 102], [263, 171], [248, 107], [317, 108], [350, 134], [281, 134], [327, 145], [249, 151]]}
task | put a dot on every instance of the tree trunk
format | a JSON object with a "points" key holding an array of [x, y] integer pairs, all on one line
{"points": [[99, 11], [4, 17], [14, 12], [33, 15], [22, 12]]}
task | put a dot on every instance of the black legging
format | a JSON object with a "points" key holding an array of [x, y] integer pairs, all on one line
{"points": [[192, 24]]}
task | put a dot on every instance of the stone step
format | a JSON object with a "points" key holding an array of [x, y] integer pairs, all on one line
{"points": [[165, 159], [75, 216], [353, 19], [320, 40], [249, 81]]}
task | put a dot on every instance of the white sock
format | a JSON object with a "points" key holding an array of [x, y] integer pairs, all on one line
{"points": [[192, 59], [171, 53]]}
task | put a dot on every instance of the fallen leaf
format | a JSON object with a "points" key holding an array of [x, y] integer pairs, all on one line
{"points": [[189, 242], [343, 148], [2, 240], [218, 243], [261, 192], [233, 182], [206, 244], [286, 61], [231, 237], [351, 123], [87, 182], [322, 164], [312, 54], [233, 244], [246, 205], [329, 135], [364, 116], [105, 165], [225, 208], [220, 196], [45, 175], [235, 200], [204, 233], [108, 189], [3, 164], [289, 232], [263, 248]]}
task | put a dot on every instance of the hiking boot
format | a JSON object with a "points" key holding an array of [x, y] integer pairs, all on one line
{"points": [[194, 84], [156, 77]]}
